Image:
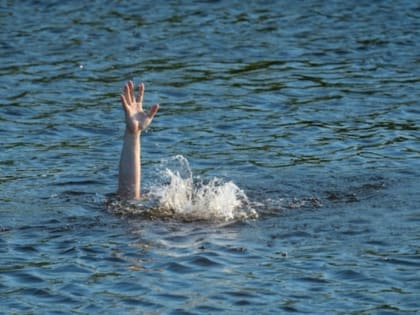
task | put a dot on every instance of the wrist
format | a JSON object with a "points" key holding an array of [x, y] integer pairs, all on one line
{"points": [[134, 135]]}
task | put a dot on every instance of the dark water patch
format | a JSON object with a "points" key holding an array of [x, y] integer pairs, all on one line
{"points": [[380, 243], [25, 278], [313, 280], [98, 276], [203, 261], [235, 250], [178, 268], [243, 297], [402, 262], [25, 248], [350, 275], [173, 297]]}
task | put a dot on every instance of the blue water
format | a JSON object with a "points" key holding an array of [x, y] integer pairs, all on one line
{"points": [[311, 108]]}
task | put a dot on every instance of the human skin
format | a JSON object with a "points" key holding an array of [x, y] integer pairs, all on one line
{"points": [[129, 178]]}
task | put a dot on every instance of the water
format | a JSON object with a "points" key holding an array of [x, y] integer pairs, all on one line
{"points": [[297, 128]]}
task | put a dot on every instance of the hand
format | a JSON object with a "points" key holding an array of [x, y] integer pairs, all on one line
{"points": [[135, 118]]}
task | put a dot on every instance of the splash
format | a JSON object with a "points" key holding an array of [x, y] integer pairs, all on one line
{"points": [[177, 194], [191, 198]]}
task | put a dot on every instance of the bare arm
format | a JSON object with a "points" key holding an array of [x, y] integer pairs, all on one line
{"points": [[129, 178]]}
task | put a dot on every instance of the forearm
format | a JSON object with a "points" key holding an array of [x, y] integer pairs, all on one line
{"points": [[129, 178]]}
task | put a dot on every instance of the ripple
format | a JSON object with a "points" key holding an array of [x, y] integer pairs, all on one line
{"points": [[178, 268], [351, 275], [26, 278], [309, 108], [203, 261]]}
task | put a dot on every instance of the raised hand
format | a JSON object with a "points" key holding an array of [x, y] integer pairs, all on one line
{"points": [[129, 178], [135, 118]]}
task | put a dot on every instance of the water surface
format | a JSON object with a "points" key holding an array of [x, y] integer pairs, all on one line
{"points": [[310, 108]]}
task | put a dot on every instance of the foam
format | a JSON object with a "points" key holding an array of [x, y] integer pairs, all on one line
{"points": [[193, 199]]}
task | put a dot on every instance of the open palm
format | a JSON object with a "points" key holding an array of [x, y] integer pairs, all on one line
{"points": [[136, 119]]}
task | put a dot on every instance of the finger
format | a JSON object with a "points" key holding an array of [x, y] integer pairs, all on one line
{"points": [[124, 103], [140, 96], [131, 89], [127, 93], [153, 110]]}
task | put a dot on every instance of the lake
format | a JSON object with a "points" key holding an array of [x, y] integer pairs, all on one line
{"points": [[282, 169]]}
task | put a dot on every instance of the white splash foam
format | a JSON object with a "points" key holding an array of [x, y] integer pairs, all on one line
{"points": [[190, 198]]}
